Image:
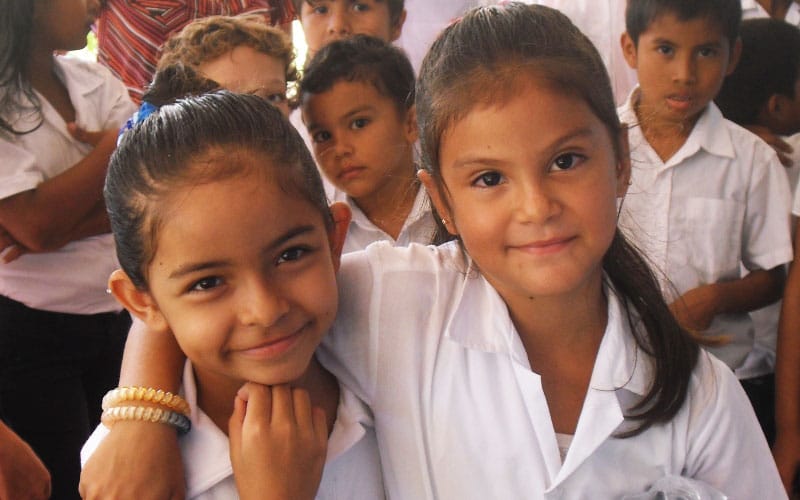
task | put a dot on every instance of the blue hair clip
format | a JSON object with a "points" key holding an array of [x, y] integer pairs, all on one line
{"points": [[145, 110]]}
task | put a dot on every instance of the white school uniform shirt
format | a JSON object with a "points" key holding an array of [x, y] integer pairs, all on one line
{"points": [[429, 345], [720, 202], [352, 467], [419, 226], [751, 9], [72, 279]]}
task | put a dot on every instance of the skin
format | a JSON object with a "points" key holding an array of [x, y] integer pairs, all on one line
{"points": [[537, 215], [248, 71], [325, 21], [23, 476], [244, 278], [681, 66], [364, 145], [786, 449], [69, 206]]}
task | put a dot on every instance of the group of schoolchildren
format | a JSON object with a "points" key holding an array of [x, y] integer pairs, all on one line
{"points": [[294, 323]]}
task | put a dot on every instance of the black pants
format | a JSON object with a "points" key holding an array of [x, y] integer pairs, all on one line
{"points": [[54, 370], [761, 392]]}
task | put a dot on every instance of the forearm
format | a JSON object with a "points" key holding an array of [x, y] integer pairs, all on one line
{"points": [[754, 291], [151, 359], [37, 218], [787, 369], [95, 222]]}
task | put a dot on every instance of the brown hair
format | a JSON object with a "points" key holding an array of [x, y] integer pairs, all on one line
{"points": [[486, 58], [210, 37]]}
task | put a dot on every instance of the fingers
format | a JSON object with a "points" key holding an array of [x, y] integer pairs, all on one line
{"points": [[14, 252]]}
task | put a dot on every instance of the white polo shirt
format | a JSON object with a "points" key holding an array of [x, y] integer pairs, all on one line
{"points": [[419, 226], [352, 468], [430, 347], [72, 279], [721, 201]]}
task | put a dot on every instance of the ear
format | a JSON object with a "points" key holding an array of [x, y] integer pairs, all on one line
{"points": [[628, 50], [623, 163], [736, 54], [411, 130], [340, 212], [439, 203], [139, 302], [397, 28]]}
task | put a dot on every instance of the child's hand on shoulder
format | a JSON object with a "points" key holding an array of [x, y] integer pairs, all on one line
{"points": [[90, 137], [278, 443], [695, 310]]}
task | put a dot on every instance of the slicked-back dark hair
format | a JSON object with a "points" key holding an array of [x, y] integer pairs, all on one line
{"points": [[727, 14], [365, 59], [769, 65], [484, 59], [195, 141]]}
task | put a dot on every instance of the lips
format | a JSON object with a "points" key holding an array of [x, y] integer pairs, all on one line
{"points": [[679, 102], [350, 172], [545, 247], [272, 348]]}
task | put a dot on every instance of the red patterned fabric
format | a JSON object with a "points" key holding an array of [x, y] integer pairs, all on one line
{"points": [[131, 32]]}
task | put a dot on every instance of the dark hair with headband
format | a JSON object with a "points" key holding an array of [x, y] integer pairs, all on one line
{"points": [[196, 141]]}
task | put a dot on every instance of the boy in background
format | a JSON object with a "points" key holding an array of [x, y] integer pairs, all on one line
{"points": [[707, 196], [764, 92]]}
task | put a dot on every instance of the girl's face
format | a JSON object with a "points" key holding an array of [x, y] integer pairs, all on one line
{"points": [[531, 188], [248, 71], [243, 275], [63, 24]]}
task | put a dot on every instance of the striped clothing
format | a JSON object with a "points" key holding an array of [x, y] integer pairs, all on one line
{"points": [[130, 32]]}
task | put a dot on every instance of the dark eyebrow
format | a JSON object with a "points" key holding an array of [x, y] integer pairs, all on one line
{"points": [[574, 134], [194, 267]]}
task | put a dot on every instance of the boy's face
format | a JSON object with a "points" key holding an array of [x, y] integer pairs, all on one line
{"points": [[361, 140], [785, 111], [325, 21], [681, 66]]}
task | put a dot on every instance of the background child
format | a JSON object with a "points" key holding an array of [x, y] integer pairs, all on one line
{"points": [[241, 54], [130, 35], [357, 98], [763, 93], [551, 366], [61, 334], [326, 21], [226, 240], [707, 196]]}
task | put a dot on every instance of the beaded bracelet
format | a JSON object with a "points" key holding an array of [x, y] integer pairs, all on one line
{"points": [[147, 414], [157, 396]]}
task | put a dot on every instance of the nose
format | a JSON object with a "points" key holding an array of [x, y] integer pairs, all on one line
{"points": [[685, 69], [339, 24], [261, 304], [342, 147], [536, 202]]}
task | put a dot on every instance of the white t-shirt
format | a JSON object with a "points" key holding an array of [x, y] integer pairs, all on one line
{"points": [[352, 468], [721, 201], [74, 278], [431, 348]]}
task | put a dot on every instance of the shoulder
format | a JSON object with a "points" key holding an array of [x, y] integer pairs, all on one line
{"points": [[383, 259]]}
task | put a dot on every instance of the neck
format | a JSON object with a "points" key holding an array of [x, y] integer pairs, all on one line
{"points": [[665, 136], [388, 207], [40, 64], [567, 326], [216, 393]]}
